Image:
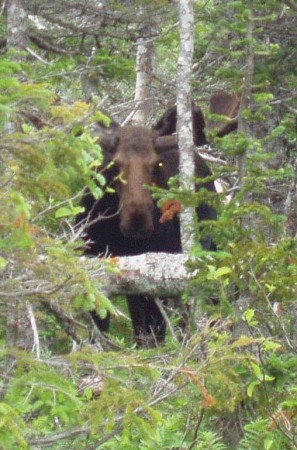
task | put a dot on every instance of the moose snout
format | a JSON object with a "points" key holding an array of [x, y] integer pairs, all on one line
{"points": [[137, 220]]}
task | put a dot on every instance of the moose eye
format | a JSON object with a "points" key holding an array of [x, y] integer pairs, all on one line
{"points": [[158, 167], [157, 171]]}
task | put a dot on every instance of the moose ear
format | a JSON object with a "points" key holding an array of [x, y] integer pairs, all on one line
{"points": [[109, 144], [198, 126], [166, 125], [224, 104], [108, 136]]}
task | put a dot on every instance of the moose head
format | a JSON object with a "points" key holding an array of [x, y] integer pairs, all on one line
{"points": [[143, 157]]}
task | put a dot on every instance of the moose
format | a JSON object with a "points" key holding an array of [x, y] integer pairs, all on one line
{"points": [[127, 221]]}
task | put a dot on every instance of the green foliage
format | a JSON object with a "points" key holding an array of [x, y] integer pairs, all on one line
{"points": [[259, 435], [48, 156], [238, 372], [53, 399], [42, 148], [51, 163], [12, 428]]}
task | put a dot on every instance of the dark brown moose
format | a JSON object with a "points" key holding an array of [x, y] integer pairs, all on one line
{"points": [[130, 219]]}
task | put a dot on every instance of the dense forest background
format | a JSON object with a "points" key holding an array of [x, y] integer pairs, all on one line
{"points": [[229, 382]]}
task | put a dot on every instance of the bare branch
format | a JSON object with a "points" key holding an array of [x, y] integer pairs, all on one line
{"points": [[28, 49], [36, 344], [156, 274], [68, 324]]}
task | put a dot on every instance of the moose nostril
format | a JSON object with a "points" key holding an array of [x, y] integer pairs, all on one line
{"points": [[137, 226], [138, 220]]}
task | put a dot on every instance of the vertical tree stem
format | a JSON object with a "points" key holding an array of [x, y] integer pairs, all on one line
{"points": [[16, 25], [243, 125], [184, 114], [144, 72]]}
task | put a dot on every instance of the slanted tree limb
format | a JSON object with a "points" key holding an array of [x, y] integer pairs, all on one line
{"points": [[154, 274]]}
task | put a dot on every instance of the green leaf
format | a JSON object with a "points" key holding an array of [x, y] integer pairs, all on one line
{"points": [[88, 393], [248, 315], [68, 212], [268, 442], [257, 371], [222, 271], [63, 212], [251, 388], [3, 263], [269, 345], [27, 129]]}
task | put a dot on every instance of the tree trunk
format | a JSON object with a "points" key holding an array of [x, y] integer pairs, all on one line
{"points": [[17, 36], [244, 128], [243, 124], [144, 72], [184, 115]]}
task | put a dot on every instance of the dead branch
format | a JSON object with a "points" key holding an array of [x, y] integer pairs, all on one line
{"points": [[154, 274]]}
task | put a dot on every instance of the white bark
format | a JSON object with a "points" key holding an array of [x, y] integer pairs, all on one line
{"points": [[144, 72], [184, 114], [16, 25], [154, 274]]}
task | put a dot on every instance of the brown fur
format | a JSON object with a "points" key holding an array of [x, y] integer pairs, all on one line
{"points": [[135, 158]]}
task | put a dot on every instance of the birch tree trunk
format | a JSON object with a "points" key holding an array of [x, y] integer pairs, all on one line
{"points": [[244, 128], [144, 72], [184, 115], [17, 36]]}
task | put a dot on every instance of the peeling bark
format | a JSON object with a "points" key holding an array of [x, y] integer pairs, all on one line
{"points": [[154, 274]]}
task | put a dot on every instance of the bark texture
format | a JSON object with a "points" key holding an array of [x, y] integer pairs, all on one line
{"points": [[144, 73], [184, 115], [17, 36], [154, 274], [243, 123]]}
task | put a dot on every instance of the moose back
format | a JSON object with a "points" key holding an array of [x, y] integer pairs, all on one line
{"points": [[127, 221]]}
